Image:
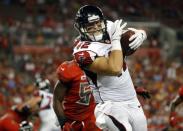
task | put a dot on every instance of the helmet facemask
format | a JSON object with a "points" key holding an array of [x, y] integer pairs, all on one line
{"points": [[94, 30]]}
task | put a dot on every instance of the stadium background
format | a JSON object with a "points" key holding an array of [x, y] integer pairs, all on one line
{"points": [[36, 36]]}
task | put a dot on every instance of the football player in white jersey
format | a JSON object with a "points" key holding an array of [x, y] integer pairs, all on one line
{"points": [[98, 52], [42, 102]]}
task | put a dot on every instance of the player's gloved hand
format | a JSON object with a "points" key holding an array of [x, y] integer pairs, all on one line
{"points": [[173, 120], [143, 92], [118, 28], [67, 127], [26, 126], [138, 38]]}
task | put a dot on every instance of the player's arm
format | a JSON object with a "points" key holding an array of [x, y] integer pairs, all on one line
{"points": [[173, 118], [175, 103], [58, 97], [34, 103], [108, 65], [30, 106], [111, 65]]}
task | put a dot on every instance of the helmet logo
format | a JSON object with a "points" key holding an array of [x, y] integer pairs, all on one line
{"points": [[92, 18]]}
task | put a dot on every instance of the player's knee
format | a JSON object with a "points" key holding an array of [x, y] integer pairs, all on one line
{"points": [[101, 121], [107, 122], [114, 125]]}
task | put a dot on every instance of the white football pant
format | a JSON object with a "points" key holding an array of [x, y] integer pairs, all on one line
{"points": [[116, 116]]}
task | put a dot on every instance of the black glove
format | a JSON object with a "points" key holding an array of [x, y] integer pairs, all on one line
{"points": [[143, 92]]}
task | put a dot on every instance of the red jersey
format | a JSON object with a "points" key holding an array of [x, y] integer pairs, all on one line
{"points": [[10, 121], [79, 102]]}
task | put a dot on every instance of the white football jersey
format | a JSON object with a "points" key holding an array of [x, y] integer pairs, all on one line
{"points": [[114, 88], [46, 113]]}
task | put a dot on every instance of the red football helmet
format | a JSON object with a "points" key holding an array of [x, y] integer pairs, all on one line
{"points": [[181, 91]]}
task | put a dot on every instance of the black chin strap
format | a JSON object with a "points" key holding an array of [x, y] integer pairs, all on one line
{"points": [[106, 38]]}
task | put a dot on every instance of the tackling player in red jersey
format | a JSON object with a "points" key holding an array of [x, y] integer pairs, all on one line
{"points": [[73, 101]]}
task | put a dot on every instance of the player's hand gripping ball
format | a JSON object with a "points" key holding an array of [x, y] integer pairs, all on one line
{"points": [[125, 43]]}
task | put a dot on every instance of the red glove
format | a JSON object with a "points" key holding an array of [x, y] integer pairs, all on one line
{"points": [[173, 119], [67, 127], [143, 92]]}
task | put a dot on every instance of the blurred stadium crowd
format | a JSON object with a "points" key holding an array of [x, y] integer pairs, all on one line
{"points": [[36, 36]]}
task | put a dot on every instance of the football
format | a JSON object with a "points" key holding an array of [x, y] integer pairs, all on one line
{"points": [[125, 42]]}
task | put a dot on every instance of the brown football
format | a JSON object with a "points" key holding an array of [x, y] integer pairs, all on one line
{"points": [[125, 43]]}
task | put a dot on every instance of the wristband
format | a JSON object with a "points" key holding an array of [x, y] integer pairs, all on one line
{"points": [[172, 114], [26, 111], [116, 45]]}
